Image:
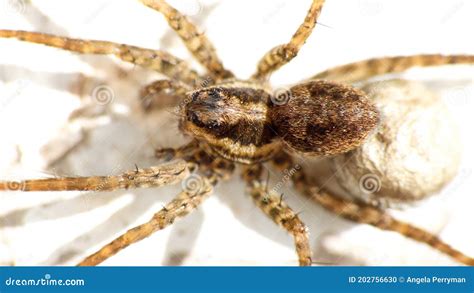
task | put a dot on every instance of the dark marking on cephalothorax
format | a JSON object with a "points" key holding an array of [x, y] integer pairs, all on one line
{"points": [[239, 114], [230, 117]]}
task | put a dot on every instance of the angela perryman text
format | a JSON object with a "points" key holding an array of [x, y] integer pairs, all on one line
{"points": [[409, 279], [439, 280]]}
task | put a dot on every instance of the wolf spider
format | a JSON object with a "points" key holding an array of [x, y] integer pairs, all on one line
{"points": [[241, 122]]}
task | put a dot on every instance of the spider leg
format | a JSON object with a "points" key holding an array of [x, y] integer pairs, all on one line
{"points": [[184, 203], [282, 54], [165, 92], [367, 214], [156, 176], [157, 60], [276, 208], [162, 93], [196, 42], [365, 69], [182, 152], [363, 213]]}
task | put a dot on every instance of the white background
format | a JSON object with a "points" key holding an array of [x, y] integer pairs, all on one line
{"points": [[40, 87]]}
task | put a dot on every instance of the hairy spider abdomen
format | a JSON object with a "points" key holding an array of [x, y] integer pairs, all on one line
{"points": [[324, 118], [232, 119]]}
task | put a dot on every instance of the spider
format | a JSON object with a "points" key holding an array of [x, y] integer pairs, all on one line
{"points": [[243, 123]]}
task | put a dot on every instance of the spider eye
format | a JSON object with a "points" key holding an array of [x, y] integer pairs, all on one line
{"points": [[203, 121], [193, 117], [324, 118], [213, 124]]}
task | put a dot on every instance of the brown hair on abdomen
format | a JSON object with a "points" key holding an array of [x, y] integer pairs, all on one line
{"points": [[324, 118]]}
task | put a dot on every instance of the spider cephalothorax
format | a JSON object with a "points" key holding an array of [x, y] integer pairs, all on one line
{"points": [[244, 122], [233, 120]]}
